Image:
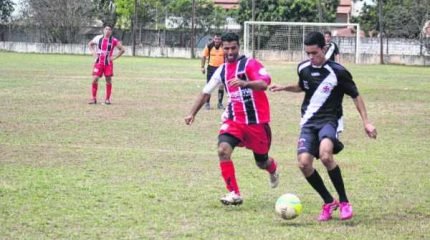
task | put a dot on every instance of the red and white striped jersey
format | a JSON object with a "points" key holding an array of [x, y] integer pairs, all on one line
{"points": [[105, 47], [244, 104]]}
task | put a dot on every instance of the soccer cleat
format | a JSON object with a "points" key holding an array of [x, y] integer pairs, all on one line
{"points": [[274, 179], [93, 101], [220, 106], [107, 102], [327, 211], [207, 106], [345, 211], [231, 198]]}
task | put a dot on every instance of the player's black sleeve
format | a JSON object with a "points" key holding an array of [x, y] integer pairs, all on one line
{"points": [[336, 49], [300, 74], [347, 84]]}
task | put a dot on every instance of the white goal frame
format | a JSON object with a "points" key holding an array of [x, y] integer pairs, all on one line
{"points": [[249, 50]]}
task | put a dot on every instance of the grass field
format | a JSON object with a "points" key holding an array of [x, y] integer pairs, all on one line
{"points": [[134, 170]]}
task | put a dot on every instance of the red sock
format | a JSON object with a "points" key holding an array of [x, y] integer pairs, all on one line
{"points": [[94, 90], [272, 166], [228, 173], [108, 90]]}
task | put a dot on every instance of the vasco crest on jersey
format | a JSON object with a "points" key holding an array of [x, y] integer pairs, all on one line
{"points": [[326, 88]]}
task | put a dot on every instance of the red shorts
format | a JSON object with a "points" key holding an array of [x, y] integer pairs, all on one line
{"points": [[256, 137], [100, 69]]}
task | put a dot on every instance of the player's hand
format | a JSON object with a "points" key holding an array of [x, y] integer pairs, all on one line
{"points": [[276, 88], [238, 83], [370, 130], [203, 70], [189, 119]]}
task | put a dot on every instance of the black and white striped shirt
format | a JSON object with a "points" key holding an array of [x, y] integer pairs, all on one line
{"points": [[324, 88]]}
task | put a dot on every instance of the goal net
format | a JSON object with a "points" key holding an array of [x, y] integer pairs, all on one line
{"points": [[284, 40]]}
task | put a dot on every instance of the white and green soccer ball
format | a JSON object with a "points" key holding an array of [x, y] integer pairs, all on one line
{"points": [[288, 206]]}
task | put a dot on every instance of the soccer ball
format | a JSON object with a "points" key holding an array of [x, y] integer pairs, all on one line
{"points": [[288, 206]]}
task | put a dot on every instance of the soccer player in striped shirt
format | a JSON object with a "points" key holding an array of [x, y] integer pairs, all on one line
{"points": [[325, 83], [102, 48], [247, 115], [331, 48]]}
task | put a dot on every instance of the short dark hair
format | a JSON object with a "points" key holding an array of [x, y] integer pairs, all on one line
{"points": [[315, 38], [327, 32], [218, 34], [108, 25], [230, 37]]}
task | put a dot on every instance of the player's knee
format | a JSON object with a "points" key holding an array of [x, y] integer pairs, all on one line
{"points": [[304, 165], [262, 160], [224, 151], [326, 158]]}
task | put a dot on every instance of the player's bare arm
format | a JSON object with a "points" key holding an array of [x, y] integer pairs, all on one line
{"points": [[91, 45], [201, 99], [288, 88], [121, 51], [368, 126], [258, 85], [203, 63]]}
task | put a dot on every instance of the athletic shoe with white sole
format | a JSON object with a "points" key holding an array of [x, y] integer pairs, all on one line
{"points": [[231, 198]]}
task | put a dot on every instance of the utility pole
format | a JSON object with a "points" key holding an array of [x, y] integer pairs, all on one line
{"points": [[381, 32], [252, 29], [193, 31], [133, 30], [320, 14]]}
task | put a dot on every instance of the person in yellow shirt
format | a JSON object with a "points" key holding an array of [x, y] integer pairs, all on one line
{"points": [[214, 54]]}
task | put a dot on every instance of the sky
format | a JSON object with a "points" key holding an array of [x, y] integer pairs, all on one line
{"points": [[16, 6]]}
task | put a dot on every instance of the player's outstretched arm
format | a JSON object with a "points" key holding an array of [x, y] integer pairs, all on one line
{"points": [[288, 88], [368, 126], [201, 99]]}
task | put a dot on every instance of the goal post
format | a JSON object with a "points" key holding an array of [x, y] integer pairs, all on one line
{"points": [[284, 40]]}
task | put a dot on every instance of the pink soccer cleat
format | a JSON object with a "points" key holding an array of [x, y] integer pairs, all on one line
{"points": [[345, 211], [327, 210]]}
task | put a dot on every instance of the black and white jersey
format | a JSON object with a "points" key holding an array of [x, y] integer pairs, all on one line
{"points": [[324, 88], [331, 51]]}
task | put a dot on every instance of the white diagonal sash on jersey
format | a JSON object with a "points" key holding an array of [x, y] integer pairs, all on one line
{"points": [[330, 51], [319, 97]]}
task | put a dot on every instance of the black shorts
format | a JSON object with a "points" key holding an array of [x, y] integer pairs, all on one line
{"points": [[311, 137], [210, 72]]}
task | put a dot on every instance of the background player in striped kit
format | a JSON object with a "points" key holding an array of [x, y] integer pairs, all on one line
{"points": [[247, 115], [102, 48], [324, 83], [331, 48]]}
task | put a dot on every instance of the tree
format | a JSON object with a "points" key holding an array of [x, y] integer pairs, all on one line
{"points": [[288, 10], [6, 10], [207, 14], [402, 18], [105, 10], [58, 20]]}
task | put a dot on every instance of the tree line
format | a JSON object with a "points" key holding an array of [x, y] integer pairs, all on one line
{"points": [[62, 19]]}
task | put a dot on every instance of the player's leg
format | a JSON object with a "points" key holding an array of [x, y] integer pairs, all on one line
{"points": [[208, 77], [269, 164], [226, 144], [307, 149], [97, 73], [328, 136], [220, 96], [108, 76], [258, 139], [108, 90]]}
